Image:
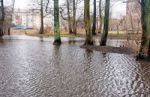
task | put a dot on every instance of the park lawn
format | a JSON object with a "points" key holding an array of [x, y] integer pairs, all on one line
{"points": [[112, 34], [46, 35]]}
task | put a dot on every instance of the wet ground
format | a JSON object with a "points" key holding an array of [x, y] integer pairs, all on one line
{"points": [[30, 68]]}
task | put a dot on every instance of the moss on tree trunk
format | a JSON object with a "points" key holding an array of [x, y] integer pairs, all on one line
{"points": [[145, 18], [106, 24], [87, 21], [57, 40]]}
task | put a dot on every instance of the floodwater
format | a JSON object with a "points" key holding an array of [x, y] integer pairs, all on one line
{"points": [[32, 68]]}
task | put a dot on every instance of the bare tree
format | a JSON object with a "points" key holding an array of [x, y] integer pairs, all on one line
{"points": [[12, 12], [74, 17], [43, 7], [42, 17], [94, 18], [2, 18], [57, 37], [100, 16], [69, 17], [68, 12], [87, 21], [145, 18], [106, 24]]}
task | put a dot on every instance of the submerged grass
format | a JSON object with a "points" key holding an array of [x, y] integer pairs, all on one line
{"points": [[46, 35]]}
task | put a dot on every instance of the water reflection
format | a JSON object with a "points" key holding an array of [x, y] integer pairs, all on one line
{"points": [[2, 41], [39, 69], [42, 39]]}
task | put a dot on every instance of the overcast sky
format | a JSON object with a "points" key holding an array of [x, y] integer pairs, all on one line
{"points": [[118, 9]]}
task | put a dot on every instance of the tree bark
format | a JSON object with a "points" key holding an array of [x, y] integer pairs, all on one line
{"points": [[2, 19], [94, 19], [42, 18], [87, 21], [69, 18], [13, 6], [57, 40], [100, 16], [106, 24], [145, 18], [74, 18]]}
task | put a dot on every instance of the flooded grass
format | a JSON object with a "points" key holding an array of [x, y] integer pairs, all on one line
{"points": [[109, 49], [30, 68]]}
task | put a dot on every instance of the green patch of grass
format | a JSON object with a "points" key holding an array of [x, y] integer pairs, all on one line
{"points": [[117, 33]]}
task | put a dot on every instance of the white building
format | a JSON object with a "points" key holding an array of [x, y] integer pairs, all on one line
{"points": [[29, 19]]}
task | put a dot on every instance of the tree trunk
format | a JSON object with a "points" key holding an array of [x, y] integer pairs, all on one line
{"points": [[100, 16], [69, 18], [106, 24], [2, 19], [42, 19], [94, 19], [74, 18], [87, 21], [145, 18], [57, 40], [13, 6]]}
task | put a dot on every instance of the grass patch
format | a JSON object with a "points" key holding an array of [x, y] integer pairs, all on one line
{"points": [[46, 35]]}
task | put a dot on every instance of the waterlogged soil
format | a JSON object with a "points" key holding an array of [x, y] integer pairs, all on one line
{"points": [[110, 49], [39, 69]]}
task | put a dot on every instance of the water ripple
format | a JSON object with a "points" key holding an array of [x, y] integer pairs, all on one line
{"points": [[39, 69]]}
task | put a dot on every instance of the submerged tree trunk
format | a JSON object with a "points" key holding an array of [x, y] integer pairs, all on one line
{"points": [[94, 19], [42, 18], [87, 21], [145, 18], [69, 18], [100, 16], [106, 24], [74, 18], [57, 40], [2, 19]]}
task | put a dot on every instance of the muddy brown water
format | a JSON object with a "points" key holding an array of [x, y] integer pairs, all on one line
{"points": [[39, 69]]}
